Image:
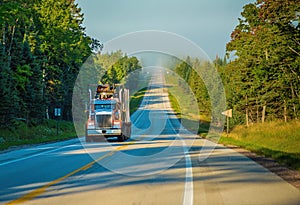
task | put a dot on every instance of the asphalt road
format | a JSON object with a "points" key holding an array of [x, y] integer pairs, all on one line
{"points": [[161, 164]]}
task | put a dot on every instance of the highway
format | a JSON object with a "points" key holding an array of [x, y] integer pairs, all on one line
{"points": [[160, 164]]}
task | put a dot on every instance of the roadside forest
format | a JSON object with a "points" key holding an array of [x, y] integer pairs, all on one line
{"points": [[263, 82], [261, 78], [261, 72], [42, 46]]}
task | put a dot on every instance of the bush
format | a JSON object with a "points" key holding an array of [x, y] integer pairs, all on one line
{"points": [[25, 133]]}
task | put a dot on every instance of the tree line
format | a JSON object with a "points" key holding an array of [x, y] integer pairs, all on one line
{"points": [[42, 46], [261, 70], [102, 68], [189, 71], [264, 78], [108, 68]]}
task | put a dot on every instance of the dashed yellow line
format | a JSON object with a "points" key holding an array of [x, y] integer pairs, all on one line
{"points": [[37, 192]]}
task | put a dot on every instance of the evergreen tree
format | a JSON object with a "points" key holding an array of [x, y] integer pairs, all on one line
{"points": [[43, 45]]}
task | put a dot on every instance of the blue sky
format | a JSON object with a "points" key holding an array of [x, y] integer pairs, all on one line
{"points": [[208, 23]]}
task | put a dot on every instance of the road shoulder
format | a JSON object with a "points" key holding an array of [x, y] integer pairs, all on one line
{"points": [[289, 175]]}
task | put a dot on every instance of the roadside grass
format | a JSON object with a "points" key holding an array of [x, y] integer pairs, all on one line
{"points": [[137, 94], [174, 104], [137, 99], [186, 108], [278, 140], [189, 119], [23, 134], [190, 122]]}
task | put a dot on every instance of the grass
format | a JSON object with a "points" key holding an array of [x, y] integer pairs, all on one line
{"points": [[186, 108], [137, 99], [174, 104], [22, 134], [278, 140]]}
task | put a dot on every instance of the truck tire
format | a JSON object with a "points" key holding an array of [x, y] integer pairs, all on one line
{"points": [[126, 130], [121, 138], [88, 139]]}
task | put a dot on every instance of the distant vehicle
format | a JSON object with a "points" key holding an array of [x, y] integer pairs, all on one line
{"points": [[108, 113]]}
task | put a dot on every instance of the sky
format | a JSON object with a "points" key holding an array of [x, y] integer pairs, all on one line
{"points": [[207, 23]]}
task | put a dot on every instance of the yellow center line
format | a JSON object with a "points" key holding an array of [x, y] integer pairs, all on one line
{"points": [[37, 192]]}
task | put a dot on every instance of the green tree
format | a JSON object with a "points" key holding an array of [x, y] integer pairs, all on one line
{"points": [[65, 46], [43, 45], [266, 70], [15, 21], [120, 69], [190, 70]]}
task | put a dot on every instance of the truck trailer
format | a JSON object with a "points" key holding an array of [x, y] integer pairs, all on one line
{"points": [[108, 113]]}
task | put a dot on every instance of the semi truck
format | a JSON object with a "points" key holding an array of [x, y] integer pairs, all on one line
{"points": [[108, 113]]}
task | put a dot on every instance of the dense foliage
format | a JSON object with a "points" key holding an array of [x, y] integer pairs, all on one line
{"points": [[266, 70], [107, 68], [262, 80], [187, 70], [102, 68], [42, 46]]}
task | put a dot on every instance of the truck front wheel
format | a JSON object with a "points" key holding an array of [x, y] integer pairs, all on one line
{"points": [[121, 138], [88, 139]]}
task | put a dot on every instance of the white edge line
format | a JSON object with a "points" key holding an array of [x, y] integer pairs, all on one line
{"points": [[188, 197]]}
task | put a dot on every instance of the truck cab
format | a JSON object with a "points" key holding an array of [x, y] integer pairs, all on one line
{"points": [[108, 115]]}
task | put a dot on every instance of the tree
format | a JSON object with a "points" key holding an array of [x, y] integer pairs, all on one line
{"points": [[66, 47], [266, 71], [43, 45], [119, 71], [190, 70], [15, 21]]}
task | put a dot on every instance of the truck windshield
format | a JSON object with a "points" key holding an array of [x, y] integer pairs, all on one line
{"points": [[105, 106]]}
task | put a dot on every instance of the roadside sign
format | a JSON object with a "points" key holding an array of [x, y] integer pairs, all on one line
{"points": [[227, 113], [57, 112]]}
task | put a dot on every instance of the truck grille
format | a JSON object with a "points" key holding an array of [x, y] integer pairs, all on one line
{"points": [[104, 120]]}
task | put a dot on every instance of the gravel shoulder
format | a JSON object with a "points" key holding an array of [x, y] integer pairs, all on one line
{"points": [[289, 175]]}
